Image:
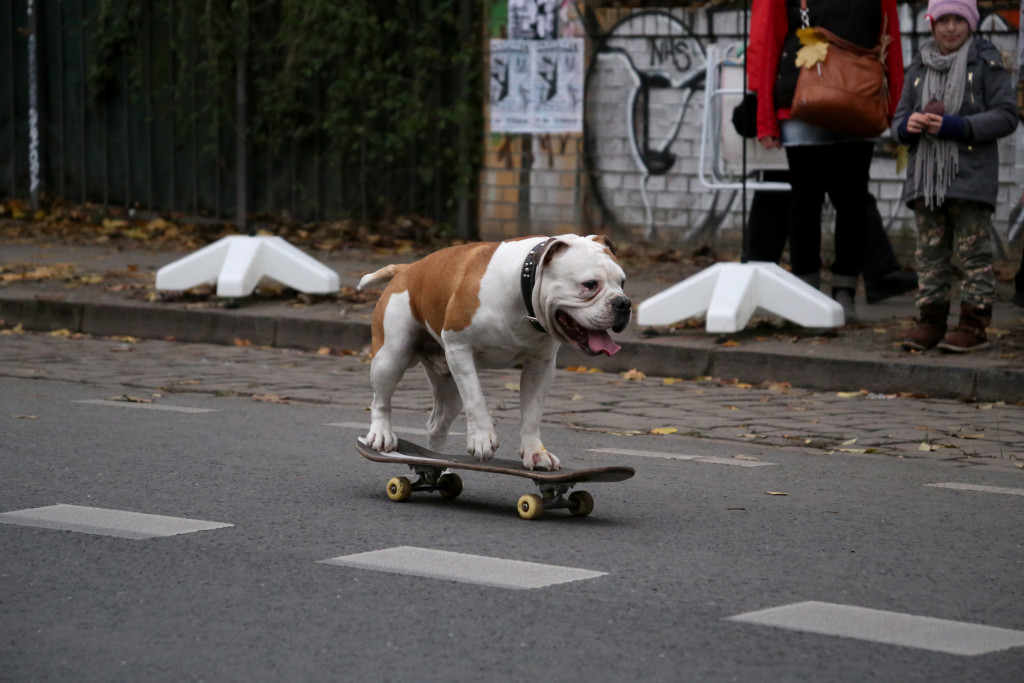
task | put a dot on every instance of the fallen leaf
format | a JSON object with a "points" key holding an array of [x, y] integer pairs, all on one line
{"points": [[512, 386], [671, 380], [131, 399], [850, 442], [973, 436], [664, 430], [633, 375], [731, 343], [776, 493], [851, 394], [576, 397], [242, 342], [25, 417], [731, 407]]}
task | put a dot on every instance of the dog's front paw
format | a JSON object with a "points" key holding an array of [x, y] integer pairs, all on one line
{"points": [[541, 459], [481, 444], [381, 438]]}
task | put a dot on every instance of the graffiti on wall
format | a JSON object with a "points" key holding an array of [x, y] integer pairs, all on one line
{"points": [[642, 90]]}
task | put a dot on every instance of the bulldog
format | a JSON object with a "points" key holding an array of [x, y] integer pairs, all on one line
{"points": [[491, 305]]}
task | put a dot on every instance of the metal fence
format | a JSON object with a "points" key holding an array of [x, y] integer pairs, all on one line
{"points": [[128, 103]]}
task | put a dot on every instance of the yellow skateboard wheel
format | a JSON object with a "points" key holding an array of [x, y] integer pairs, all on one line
{"points": [[449, 485], [531, 506], [581, 503], [399, 489]]}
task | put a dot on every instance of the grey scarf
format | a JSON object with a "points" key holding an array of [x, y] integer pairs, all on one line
{"points": [[937, 161]]}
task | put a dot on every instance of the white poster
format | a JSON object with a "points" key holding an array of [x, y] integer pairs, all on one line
{"points": [[537, 86]]}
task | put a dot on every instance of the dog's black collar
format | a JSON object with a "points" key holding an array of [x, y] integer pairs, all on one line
{"points": [[528, 278]]}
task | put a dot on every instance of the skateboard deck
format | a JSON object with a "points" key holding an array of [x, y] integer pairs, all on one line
{"points": [[430, 467]]}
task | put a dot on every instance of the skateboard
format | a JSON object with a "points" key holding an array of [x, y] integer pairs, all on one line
{"points": [[430, 467]]}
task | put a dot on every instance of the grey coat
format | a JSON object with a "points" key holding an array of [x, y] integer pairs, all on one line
{"points": [[990, 108]]}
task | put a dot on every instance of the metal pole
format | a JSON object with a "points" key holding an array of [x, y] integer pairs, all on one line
{"points": [[241, 158], [34, 141]]}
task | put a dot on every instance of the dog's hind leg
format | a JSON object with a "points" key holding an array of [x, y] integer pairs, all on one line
{"points": [[447, 405]]}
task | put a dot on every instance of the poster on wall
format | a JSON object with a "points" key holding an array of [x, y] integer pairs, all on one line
{"points": [[533, 19], [536, 86]]}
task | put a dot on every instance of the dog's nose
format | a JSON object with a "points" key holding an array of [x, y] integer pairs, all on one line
{"points": [[622, 307]]}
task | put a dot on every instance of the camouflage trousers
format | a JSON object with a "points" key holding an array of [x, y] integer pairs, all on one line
{"points": [[962, 228]]}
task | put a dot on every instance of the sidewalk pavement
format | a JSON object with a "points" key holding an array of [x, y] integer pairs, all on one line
{"points": [[107, 290]]}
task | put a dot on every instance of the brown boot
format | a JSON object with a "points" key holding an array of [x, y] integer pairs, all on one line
{"points": [[969, 333], [931, 327]]}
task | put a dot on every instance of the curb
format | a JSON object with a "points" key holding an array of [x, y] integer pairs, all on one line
{"points": [[657, 357]]}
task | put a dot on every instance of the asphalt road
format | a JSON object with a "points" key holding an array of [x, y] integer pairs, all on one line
{"points": [[676, 553]]}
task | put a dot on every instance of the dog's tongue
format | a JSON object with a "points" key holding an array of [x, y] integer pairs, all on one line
{"points": [[601, 342]]}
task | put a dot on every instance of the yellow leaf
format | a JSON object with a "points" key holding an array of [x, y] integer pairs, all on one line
{"points": [[671, 380], [61, 333], [850, 394], [812, 54], [633, 375], [731, 407], [927, 447], [902, 155], [850, 442], [664, 430], [731, 343], [512, 386], [242, 342]]}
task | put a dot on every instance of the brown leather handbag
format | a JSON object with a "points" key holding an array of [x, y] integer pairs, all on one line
{"points": [[849, 91]]}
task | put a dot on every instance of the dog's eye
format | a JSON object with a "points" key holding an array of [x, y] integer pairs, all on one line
{"points": [[590, 285]]}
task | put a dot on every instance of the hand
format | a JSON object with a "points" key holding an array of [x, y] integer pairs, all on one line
{"points": [[924, 123], [770, 142]]}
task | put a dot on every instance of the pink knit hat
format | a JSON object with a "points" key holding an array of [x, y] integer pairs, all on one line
{"points": [[968, 9]]}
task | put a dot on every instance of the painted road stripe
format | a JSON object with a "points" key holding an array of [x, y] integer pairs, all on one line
{"points": [[449, 566], [978, 487], [677, 456], [890, 628], [363, 426], [145, 406], [89, 520]]}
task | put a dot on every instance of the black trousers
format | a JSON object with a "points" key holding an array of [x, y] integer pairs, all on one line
{"points": [[842, 172]]}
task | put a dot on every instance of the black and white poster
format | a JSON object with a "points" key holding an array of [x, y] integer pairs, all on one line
{"points": [[537, 86]]}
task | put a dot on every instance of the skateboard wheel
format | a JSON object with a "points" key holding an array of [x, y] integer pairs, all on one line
{"points": [[449, 485], [399, 489], [581, 503], [531, 506]]}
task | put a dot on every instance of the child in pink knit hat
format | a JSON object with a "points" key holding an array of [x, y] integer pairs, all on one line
{"points": [[968, 9], [958, 100]]}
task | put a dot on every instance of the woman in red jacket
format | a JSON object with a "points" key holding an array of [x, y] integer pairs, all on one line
{"points": [[820, 160]]}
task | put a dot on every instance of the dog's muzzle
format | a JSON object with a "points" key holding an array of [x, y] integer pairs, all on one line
{"points": [[622, 308]]}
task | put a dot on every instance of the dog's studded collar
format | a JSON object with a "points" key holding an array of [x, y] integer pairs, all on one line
{"points": [[528, 278]]}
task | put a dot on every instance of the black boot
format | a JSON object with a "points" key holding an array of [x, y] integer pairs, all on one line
{"points": [[890, 284]]}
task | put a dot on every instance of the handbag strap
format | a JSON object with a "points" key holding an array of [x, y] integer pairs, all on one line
{"points": [[879, 50]]}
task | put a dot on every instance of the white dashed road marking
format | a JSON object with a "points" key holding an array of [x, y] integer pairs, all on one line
{"points": [[978, 487], [145, 406], [88, 520], [890, 628], [449, 566], [678, 456]]}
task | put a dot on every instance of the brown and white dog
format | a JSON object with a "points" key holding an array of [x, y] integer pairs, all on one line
{"points": [[488, 305]]}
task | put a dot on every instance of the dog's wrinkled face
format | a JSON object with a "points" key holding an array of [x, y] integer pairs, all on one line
{"points": [[580, 295]]}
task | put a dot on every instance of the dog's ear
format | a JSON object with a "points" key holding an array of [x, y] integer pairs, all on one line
{"points": [[555, 247], [606, 241]]}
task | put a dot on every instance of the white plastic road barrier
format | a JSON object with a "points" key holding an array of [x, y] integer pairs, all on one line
{"points": [[731, 292], [238, 263]]}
